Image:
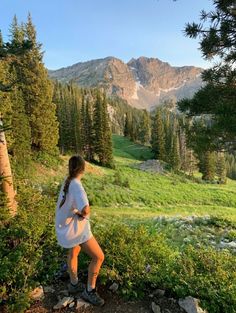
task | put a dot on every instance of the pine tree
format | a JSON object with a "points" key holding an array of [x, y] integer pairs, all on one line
{"points": [[37, 91], [89, 132], [145, 128], [20, 148], [207, 166], [221, 168], [168, 131], [158, 136], [175, 157], [83, 139], [102, 142], [127, 126], [107, 135], [217, 32]]}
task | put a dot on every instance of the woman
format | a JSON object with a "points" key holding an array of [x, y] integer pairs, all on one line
{"points": [[74, 233]]}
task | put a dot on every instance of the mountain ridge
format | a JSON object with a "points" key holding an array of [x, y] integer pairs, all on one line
{"points": [[143, 82]]}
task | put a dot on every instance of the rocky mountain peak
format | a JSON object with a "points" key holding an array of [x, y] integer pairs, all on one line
{"points": [[143, 82]]}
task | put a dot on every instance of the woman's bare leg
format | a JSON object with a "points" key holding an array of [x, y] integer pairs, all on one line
{"points": [[92, 248], [72, 262]]}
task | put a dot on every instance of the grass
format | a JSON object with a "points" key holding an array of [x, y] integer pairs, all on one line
{"points": [[127, 192]]}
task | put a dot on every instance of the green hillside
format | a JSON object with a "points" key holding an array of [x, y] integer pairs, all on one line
{"points": [[149, 195]]}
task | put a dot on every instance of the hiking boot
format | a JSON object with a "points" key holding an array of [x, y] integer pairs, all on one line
{"points": [[92, 297], [79, 287]]}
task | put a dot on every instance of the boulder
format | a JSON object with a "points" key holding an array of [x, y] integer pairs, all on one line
{"points": [[155, 308], [191, 305]]}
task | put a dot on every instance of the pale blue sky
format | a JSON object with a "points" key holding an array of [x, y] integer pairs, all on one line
{"points": [[72, 31]]}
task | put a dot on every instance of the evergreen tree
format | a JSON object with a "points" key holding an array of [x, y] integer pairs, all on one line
{"points": [[20, 148], [107, 136], [37, 91], [145, 128], [103, 142], [221, 168], [168, 135], [158, 136], [127, 126], [207, 165], [89, 132], [174, 156], [217, 33], [83, 139]]}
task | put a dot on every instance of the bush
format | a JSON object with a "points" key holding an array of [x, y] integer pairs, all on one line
{"points": [[121, 181], [139, 258], [133, 257], [24, 245], [209, 275]]}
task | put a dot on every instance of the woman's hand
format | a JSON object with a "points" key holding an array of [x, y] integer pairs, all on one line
{"points": [[85, 211]]}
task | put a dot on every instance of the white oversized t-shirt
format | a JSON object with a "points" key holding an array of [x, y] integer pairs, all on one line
{"points": [[72, 230]]}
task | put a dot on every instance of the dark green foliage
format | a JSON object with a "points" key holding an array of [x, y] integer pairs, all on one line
{"points": [[221, 168], [174, 156], [84, 124], [196, 272], [127, 128], [36, 90], [119, 180], [21, 132], [207, 165], [231, 165], [158, 136], [24, 246], [102, 139], [217, 32], [144, 128]]}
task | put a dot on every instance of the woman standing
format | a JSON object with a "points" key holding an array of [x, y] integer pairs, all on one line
{"points": [[74, 233]]}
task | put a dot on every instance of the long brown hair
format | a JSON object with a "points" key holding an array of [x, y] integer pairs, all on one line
{"points": [[76, 166]]}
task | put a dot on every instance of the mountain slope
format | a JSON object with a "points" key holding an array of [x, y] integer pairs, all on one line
{"points": [[143, 82]]}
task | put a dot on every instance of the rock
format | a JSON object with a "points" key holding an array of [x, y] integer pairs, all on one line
{"points": [[64, 292], [114, 287], [231, 244], [71, 305], [81, 303], [37, 293], [159, 292], [166, 311], [63, 303], [153, 166], [191, 305], [48, 289], [155, 308]]}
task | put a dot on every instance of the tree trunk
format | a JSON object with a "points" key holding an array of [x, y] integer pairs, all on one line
{"points": [[5, 172]]}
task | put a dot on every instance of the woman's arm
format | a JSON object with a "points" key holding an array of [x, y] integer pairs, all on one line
{"points": [[85, 211]]}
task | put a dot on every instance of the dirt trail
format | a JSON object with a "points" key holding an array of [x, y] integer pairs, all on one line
{"points": [[113, 303]]}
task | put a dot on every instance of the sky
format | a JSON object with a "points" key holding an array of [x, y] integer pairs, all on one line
{"points": [[73, 31]]}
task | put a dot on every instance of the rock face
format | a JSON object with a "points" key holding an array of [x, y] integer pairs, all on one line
{"points": [[143, 82]]}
